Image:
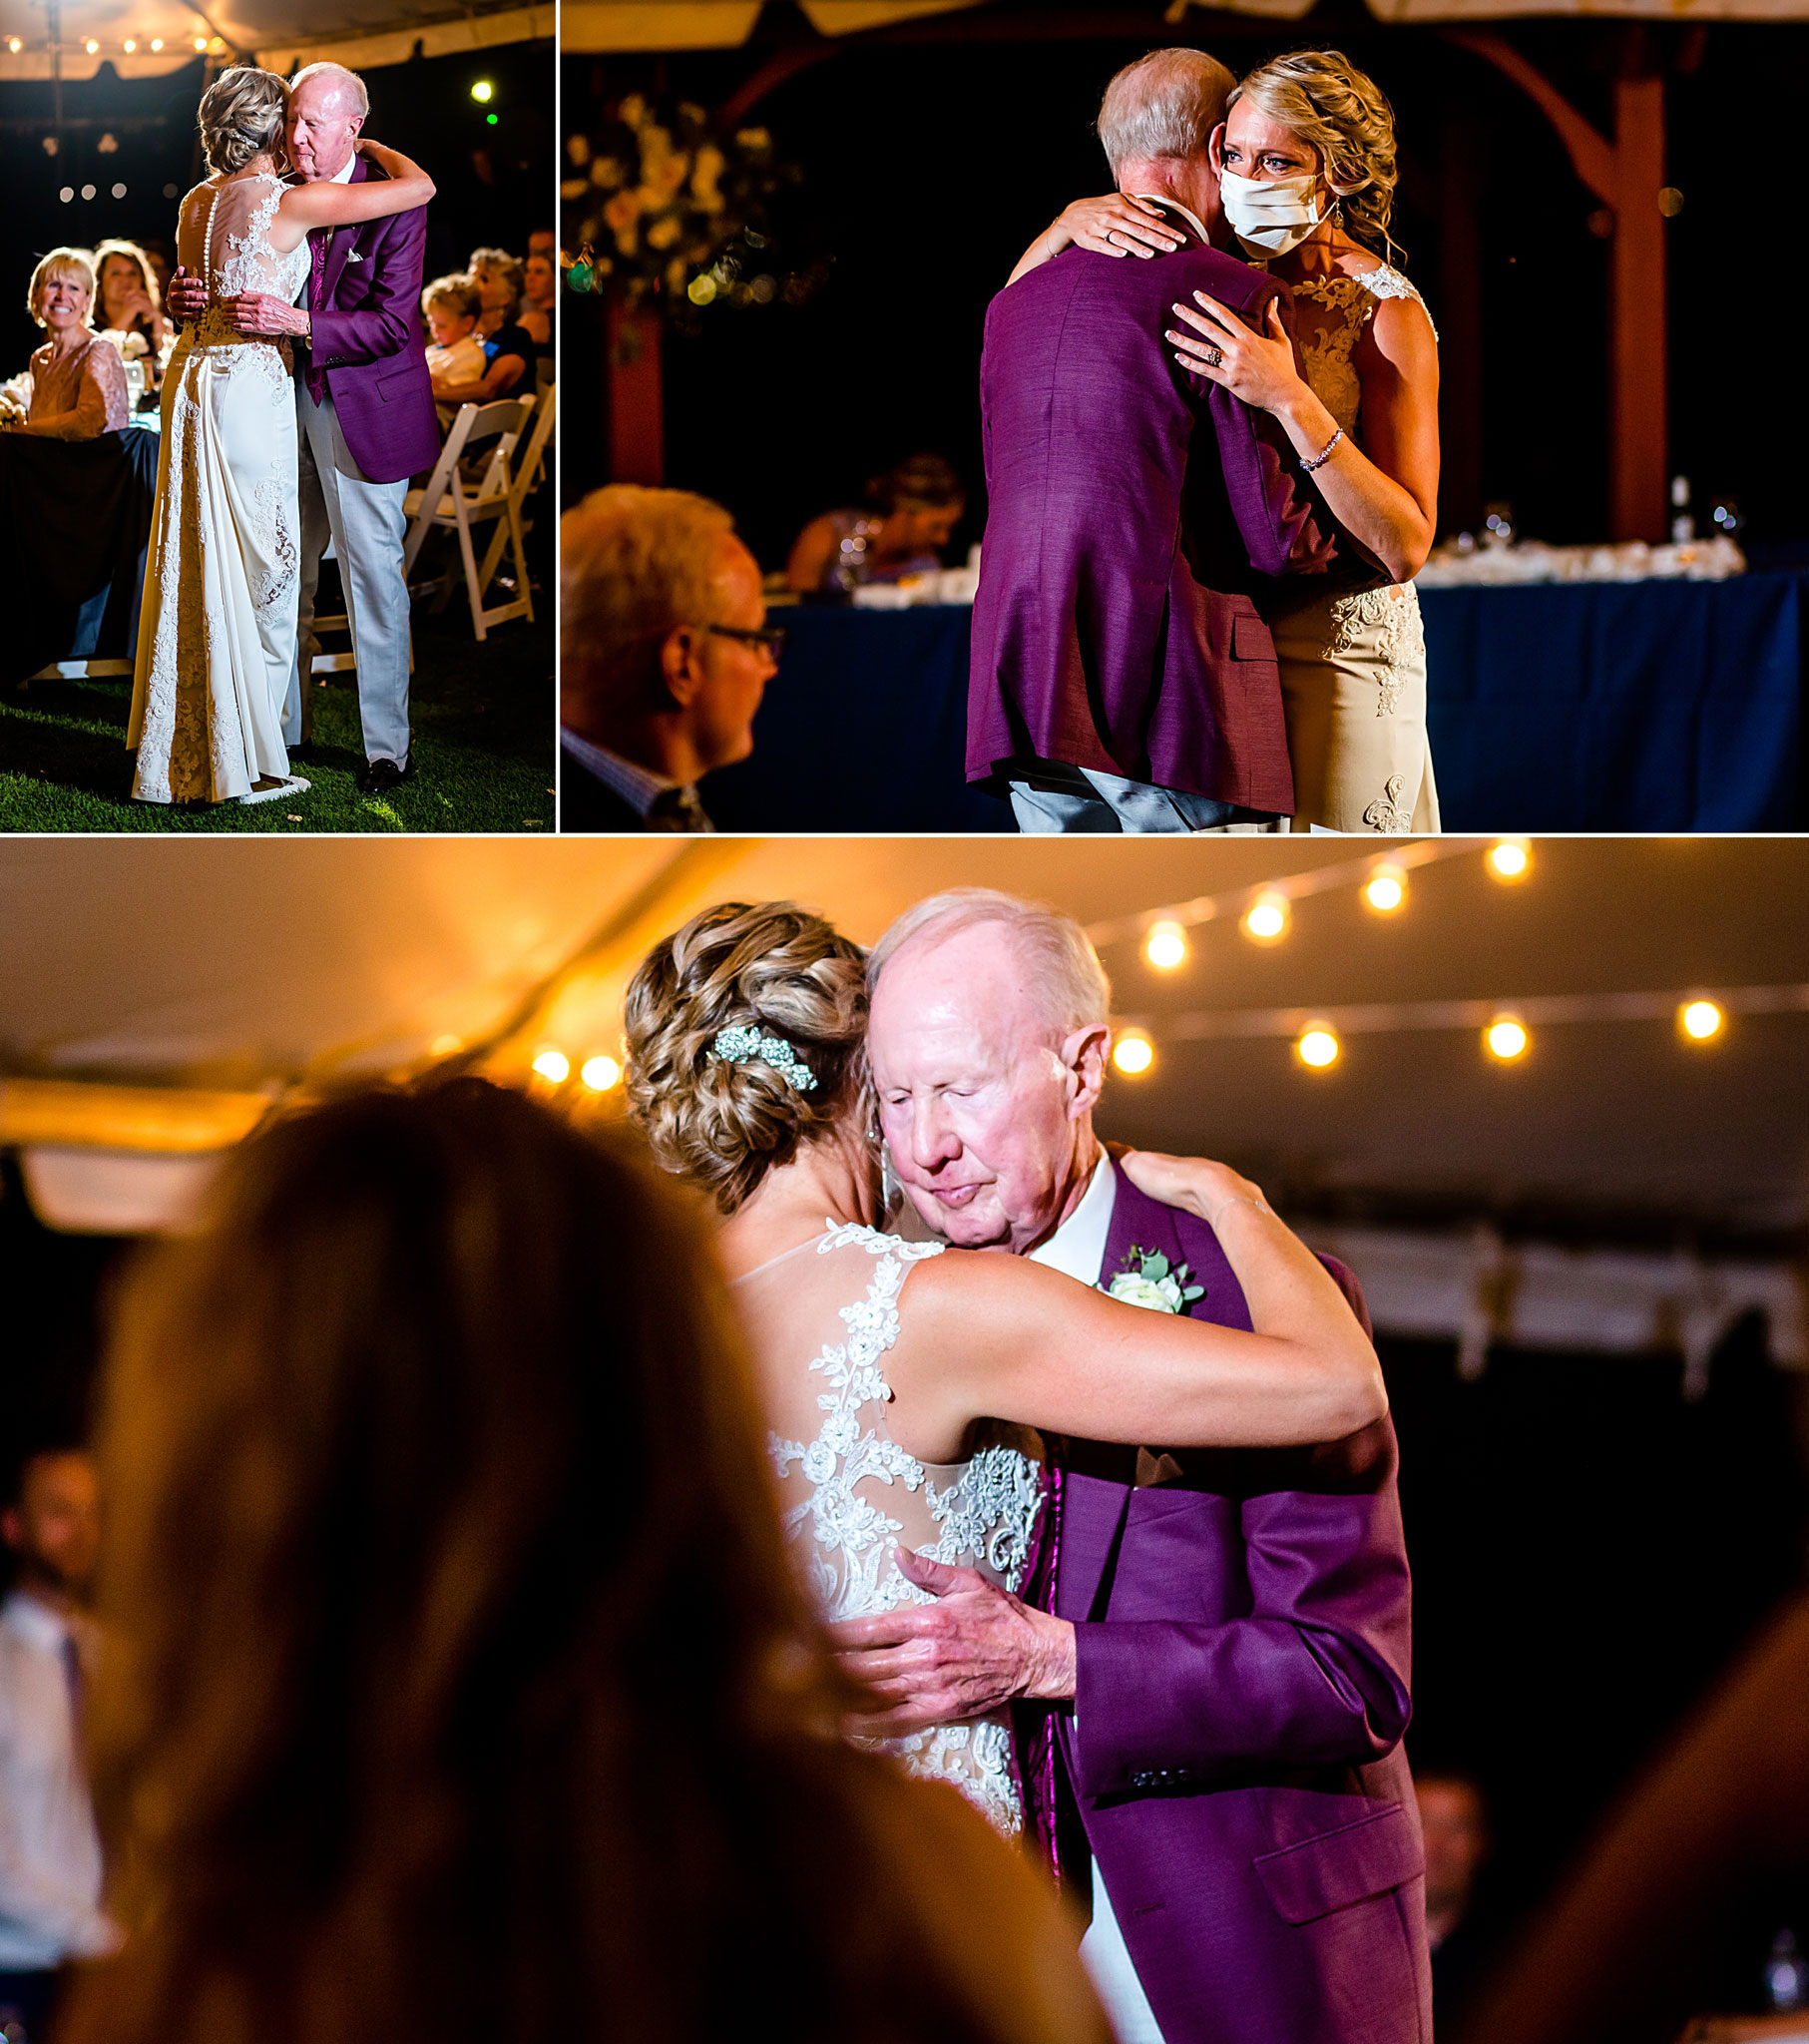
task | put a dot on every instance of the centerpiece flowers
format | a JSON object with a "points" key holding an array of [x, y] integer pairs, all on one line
{"points": [[669, 216]]}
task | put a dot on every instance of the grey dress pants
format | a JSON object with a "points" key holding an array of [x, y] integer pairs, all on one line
{"points": [[365, 522]]}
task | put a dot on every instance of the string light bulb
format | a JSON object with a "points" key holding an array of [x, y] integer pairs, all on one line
{"points": [[1319, 1046], [13, 44], [600, 1073], [1167, 946], [1267, 920], [1133, 1053], [554, 1067], [93, 48], [1506, 1038], [1510, 858], [483, 92], [1701, 1020], [1385, 890], [130, 46]]}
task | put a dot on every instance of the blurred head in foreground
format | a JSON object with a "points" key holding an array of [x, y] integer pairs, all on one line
{"points": [[662, 659], [461, 1682]]}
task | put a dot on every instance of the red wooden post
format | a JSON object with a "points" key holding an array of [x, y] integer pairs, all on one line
{"points": [[637, 404], [1627, 175]]}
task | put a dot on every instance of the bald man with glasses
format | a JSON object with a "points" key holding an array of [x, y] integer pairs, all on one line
{"points": [[665, 656]]}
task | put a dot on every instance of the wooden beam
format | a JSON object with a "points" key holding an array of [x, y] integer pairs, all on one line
{"points": [[1627, 175]]}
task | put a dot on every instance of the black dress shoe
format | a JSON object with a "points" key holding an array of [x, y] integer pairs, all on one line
{"points": [[380, 776]]}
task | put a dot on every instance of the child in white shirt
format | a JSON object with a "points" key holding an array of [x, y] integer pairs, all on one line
{"points": [[456, 355]]}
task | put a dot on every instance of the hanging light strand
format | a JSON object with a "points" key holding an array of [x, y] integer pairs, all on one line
{"points": [[1236, 905], [1536, 1011]]}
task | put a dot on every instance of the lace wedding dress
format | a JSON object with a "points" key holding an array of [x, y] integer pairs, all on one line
{"points": [[217, 632], [851, 1496], [1353, 665]]}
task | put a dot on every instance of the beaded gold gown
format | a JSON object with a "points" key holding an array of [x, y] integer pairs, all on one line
{"points": [[1353, 664]]}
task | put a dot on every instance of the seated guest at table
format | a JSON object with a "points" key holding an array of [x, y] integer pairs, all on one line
{"points": [[131, 305], [540, 289], [464, 1685], [664, 657], [78, 382], [912, 513], [161, 254], [455, 355], [1464, 1935]]}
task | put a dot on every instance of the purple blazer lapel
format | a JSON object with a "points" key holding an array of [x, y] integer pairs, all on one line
{"points": [[1145, 1224]]}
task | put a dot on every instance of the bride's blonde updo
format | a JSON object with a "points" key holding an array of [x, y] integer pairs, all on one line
{"points": [[241, 116], [1321, 96], [773, 967]]}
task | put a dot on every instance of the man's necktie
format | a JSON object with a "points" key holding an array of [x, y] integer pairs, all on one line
{"points": [[72, 1673], [678, 810], [317, 294]]}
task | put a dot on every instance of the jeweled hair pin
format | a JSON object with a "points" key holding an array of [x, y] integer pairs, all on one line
{"points": [[744, 1045]]}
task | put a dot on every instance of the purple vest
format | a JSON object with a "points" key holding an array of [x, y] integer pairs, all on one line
{"points": [[1233, 1757]]}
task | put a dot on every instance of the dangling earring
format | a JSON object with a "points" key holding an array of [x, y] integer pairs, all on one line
{"points": [[1335, 218]]}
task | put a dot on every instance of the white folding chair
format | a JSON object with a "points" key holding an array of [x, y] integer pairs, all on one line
{"points": [[528, 466], [452, 502]]}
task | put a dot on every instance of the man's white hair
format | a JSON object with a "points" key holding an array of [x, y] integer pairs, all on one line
{"points": [[1166, 105], [353, 83], [1070, 982]]}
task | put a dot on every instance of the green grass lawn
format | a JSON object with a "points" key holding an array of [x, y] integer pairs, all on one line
{"points": [[482, 740]]}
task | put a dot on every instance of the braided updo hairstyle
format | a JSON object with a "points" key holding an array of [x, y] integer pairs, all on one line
{"points": [[241, 116], [776, 967], [1322, 96]]}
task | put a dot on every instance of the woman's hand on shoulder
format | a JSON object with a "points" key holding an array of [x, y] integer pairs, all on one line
{"points": [[1114, 224], [1257, 367], [1196, 1185]]}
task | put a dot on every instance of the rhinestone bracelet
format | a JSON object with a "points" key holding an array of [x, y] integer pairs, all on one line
{"points": [[1324, 454]]}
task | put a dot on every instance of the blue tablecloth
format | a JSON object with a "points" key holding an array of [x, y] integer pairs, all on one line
{"points": [[1647, 705]]}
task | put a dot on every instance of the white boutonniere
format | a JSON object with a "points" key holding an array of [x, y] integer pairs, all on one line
{"points": [[1147, 1277]]}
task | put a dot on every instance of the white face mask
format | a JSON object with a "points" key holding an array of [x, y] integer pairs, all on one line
{"points": [[1270, 216]]}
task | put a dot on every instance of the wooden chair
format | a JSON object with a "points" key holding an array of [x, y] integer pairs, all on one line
{"points": [[474, 481]]}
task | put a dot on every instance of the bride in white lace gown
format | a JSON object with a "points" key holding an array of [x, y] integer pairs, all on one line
{"points": [[217, 632], [903, 1381]]}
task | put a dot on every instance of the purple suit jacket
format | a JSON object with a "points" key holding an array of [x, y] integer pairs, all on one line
{"points": [[1234, 1749], [367, 339], [1130, 509]]}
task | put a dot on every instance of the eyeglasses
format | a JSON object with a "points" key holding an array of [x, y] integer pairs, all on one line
{"points": [[771, 641]]}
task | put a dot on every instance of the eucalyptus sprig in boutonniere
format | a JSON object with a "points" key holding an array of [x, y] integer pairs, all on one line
{"points": [[1147, 1277]]}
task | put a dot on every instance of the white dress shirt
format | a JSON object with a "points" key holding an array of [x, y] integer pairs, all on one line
{"points": [[1077, 1249], [50, 1854]]}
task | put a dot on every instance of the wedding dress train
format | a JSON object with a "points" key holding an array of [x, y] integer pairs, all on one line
{"points": [[217, 633], [851, 1496]]}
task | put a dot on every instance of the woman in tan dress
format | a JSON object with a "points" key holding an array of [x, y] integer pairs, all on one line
{"points": [[78, 383], [1306, 164]]}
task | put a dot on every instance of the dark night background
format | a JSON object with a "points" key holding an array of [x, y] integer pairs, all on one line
{"points": [[492, 179], [930, 162], [1588, 1549]]}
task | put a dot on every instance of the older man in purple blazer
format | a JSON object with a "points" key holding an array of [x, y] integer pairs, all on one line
{"points": [[364, 413], [1211, 1674], [1121, 678]]}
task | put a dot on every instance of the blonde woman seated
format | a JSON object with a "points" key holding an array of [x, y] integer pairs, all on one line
{"points": [[75, 389], [130, 307], [455, 355], [1305, 159]]}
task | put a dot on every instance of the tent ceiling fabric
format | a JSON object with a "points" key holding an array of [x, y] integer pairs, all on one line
{"points": [[243, 965], [602, 26], [277, 32]]}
